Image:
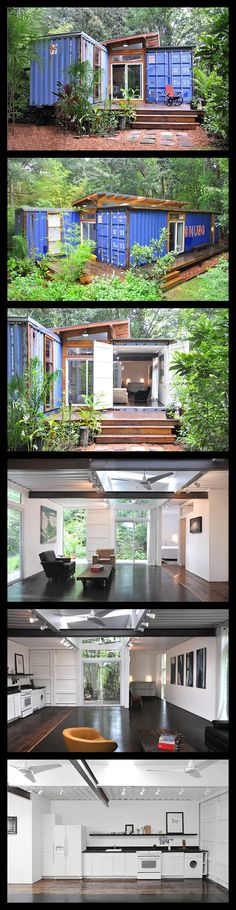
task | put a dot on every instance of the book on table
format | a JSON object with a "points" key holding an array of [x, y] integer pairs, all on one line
{"points": [[97, 567], [166, 742]]}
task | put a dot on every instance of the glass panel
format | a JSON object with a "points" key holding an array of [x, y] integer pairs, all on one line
{"points": [[123, 58], [54, 246], [14, 544], [111, 683], [140, 541], [134, 79], [124, 541], [76, 381], [54, 220], [85, 230], [90, 378], [102, 652], [75, 531], [172, 236], [180, 236], [85, 349], [54, 233], [13, 495], [92, 682], [118, 80]]}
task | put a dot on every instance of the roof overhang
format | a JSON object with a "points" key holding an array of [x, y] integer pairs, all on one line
{"points": [[99, 199]]}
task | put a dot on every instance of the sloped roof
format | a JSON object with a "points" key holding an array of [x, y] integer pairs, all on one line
{"points": [[122, 199]]}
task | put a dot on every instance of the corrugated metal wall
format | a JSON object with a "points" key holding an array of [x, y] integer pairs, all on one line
{"points": [[27, 339], [146, 226], [166, 67], [104, 59], [14, 349], [53, 56], [103, 223], [197, 229], [36, 233]]}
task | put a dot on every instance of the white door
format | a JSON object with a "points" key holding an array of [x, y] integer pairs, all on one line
{"points": [[54, 233], [176, 236], [73, 850], [59, 850], [103, 374]]}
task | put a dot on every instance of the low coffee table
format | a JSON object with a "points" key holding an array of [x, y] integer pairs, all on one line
{"points": [[103, 576], [149, 742]]}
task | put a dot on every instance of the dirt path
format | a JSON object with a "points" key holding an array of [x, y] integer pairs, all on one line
{"points": [[37, 138]]}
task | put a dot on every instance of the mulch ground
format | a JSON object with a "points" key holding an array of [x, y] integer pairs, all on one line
{"points": [[37, 138], [129, 448]]}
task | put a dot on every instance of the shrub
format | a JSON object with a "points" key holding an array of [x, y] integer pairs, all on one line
{"points": [[19, 246]]}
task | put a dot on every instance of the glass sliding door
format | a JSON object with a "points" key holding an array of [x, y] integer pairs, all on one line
{"points": [[118, 74], [126, 77], [92, 682], [14, 544], [176, 236], [131, 541], [79, 380], [101, 682], [111, 683]]}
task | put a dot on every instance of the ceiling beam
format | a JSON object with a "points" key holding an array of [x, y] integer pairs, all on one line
{"points": [[83, 772], [110, 494], [119, 462], [86, 632], [18, 792]]}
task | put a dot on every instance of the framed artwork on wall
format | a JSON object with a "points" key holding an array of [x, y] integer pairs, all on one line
{"points": [[174, 822], [173, 670], [19, 663], [189, 668], [48, 525], [129, 829], [196, 525], [180, 677], [201, 669], [12, 824]]}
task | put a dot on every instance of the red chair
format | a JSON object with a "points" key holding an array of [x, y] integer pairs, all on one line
{"points": [[171, 97]]}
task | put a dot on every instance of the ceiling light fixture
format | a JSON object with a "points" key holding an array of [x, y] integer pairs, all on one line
{"points": [[40, 791], [151, 615], [157, 791], [181, 791], [33, 619], [142, 791], [61, 792]]}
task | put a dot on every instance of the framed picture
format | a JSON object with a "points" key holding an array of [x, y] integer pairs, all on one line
{"points": [[201, 669], [189, 668], [173, 670], [174, 822], [180, 678], [12, 824], [48, 525], [19, 663], [129, 829], [196, 525]]}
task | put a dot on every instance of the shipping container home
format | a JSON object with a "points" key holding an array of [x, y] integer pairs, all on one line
{"points": [[121, 221], [54, 54], [95, 358], [46, 230], [135, 64]]}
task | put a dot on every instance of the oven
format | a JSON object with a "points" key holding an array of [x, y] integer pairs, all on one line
{"points": [[149, 864], [26, 703]]}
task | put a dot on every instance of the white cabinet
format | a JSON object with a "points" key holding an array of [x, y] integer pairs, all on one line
{"points": [[118, 866], [130, 865], [35, 699], [47, 829], [193, 865], [172, 865], [17, 704], [10, 707], [87, 864], [104, 865], [101, 865]]}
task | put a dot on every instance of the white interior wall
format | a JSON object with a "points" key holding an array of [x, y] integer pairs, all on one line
{"points": [[136, 371], [98, 818], [214, 837], [197, 701], [40, 806], [20, 864], [197, 545], [31, 534], [61, 671], [14, 648], [218, 531], [143, 665], [100, 529], [170, 526]]}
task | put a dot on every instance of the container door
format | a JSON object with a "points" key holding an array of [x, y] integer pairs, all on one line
{"points": [[151, 77], [118, 239], [103, 236], [54, 233], [103, 373], [180, 73]]}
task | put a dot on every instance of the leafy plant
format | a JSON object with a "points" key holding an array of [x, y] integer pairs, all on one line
{"points": [[26, 398], [19, 246], [104, 120], [126, 106], [74, 110]]}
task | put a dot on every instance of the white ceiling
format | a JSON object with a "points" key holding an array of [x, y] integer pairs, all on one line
{"points": [[132, 793], [124, 772], [165, 618], [79, 480]]}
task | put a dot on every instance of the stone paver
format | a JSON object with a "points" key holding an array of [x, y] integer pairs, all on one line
{"points": [[181, 135]]}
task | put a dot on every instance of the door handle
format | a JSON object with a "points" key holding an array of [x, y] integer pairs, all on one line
{"points": [[53, 853], [66, 847]]}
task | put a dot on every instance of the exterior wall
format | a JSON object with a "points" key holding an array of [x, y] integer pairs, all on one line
{"points": [[146, 226], [16, 348], [197, 229], [25, 340], [34, 225], [50, 68], [104, 61], [168, 67]]}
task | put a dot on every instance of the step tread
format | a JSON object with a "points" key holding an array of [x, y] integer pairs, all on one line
{"points": [[161, 125], [126, 439]]}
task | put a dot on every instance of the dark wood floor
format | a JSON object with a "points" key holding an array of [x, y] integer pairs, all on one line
{"points": [[116, 723], [131, 891], [129, 584], [207, 591]]}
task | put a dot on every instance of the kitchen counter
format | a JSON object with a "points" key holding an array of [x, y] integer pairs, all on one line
{"points": [[136, 850]]}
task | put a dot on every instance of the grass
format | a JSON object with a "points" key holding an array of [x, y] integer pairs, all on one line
{"points": [[212, 285], [13, 563]]}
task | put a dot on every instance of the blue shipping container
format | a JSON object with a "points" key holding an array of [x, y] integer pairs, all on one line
{"points": [[26, 340], [53, 56], [169, 67], [197, 229], [45, 230], [117, 232]]}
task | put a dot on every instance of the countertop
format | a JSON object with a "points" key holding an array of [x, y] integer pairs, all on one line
{"points": [[153, 849], [12, 689]]}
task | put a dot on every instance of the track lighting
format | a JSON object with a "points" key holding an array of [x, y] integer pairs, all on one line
{"points": [[33, 619], [157, 791], [61, 792], [42, 628], [151, 615], [40, 792]]}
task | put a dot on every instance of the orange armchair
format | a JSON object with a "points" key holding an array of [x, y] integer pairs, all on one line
{"points": [[87, 739]]}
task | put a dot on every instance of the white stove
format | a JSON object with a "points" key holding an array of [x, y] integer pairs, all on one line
{"points": [[26, 702], [149, 864]]}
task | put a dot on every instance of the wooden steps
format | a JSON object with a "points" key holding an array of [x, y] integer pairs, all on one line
{"points": [[139, 440], [173, 119], [155, 431]]}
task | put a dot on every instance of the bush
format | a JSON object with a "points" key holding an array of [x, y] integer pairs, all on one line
{"points": [[213, 90], [17, 267], [104, 120], [19, 246], [33, 288]]}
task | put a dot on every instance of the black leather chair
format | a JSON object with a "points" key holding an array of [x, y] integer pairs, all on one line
{"points": [[141, 396], [56, 566], [217, 736]]}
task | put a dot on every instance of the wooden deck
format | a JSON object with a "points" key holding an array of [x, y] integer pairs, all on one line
{"points": [[175, 275]]}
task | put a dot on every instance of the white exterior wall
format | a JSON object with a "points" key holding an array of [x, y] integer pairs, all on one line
{"points": [[100, 529]]}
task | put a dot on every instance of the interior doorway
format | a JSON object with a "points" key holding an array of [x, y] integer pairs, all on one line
{"points": [[182, 542], [163, 676]]}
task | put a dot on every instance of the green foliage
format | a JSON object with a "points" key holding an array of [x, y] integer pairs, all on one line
{"points": [[104, 120], [211, 285], [201, 382], [75, 528], [74, 264], [212, 73], [26, 398], [19, 246], [74, 110], [18, 267], [24, 26], [126, 107]]}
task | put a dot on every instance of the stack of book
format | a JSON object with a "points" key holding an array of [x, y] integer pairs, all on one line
{"points": [[166, 742], [97, 567]]}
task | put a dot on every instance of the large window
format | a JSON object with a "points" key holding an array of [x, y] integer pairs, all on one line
{"points": [[48, 366], [131, 540], [101, 673], [79, 380], [75, 531], [126, 77], [176, 236], [14, 537]]}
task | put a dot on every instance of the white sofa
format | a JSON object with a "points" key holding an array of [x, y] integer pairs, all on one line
{"points": [[120, 396]]}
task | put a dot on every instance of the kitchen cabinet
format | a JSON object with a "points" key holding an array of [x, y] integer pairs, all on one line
{"points": [[172, 865], [17, 704], [59, 850], [35, 699], [101, 865], [13, 706], [130, 865], [118, 866], [87, 865], [10, 707], [73, 850]]}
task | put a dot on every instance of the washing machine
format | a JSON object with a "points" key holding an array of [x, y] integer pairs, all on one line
{"points": [[193, 865]]}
